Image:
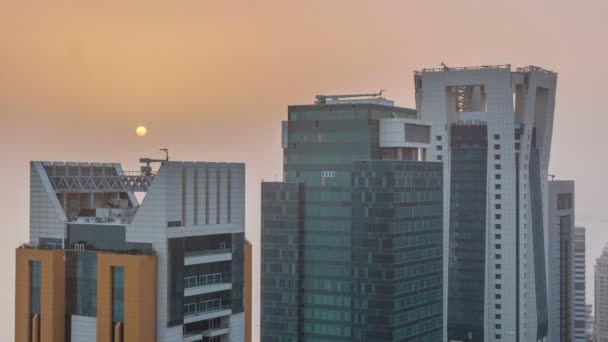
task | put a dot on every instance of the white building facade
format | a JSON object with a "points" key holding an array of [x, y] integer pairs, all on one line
{"points": [[492, 127]]}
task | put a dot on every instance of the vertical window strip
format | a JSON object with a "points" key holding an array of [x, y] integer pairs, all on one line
{"points": [[184, 222], [229, 194], [206, 193], [217, 198], [195, 194]]}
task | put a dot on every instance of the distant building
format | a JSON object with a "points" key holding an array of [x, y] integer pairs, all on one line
{"points": [[562, 264], [579, 306], [352, 239], [589, 322], [600, 330], [100, 266]]}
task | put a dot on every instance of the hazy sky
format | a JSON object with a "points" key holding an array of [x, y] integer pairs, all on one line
{"points": [[212, 80]]}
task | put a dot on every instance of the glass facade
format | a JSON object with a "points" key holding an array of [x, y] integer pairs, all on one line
{"points": [[81, 283], [35, 287], [118, 294], [467, 234], [538, 243], [351, 245]]}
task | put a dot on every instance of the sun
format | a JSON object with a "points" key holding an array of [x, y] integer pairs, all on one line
{"points": [[141, 131]]}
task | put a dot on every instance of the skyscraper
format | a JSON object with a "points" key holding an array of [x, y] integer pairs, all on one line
{"points": [[100, 266], [600, 329], [492, 127], [561, 261], [352, 238], [566, 266]]}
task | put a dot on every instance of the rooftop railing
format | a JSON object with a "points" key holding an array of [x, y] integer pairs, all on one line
{"points": [[467, 68]]}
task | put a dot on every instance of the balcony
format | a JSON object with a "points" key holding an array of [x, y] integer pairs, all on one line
{"points": [[207, 283], [207, 256], [209, 309], [197, 336]]}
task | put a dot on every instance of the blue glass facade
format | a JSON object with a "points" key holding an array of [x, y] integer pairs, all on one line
{"points": [[351, 245], [467, 234], [538, 243]]}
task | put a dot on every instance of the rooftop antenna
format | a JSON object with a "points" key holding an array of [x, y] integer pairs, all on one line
{"points": [[552, 177], [445, 67], [166, 150]]}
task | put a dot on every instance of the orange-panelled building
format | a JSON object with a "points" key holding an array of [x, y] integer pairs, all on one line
{"points": [[101, 266]]}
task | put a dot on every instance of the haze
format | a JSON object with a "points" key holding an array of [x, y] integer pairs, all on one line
{"points": [[211, 81]]}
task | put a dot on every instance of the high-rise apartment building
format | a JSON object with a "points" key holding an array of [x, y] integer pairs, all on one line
{"points": [[600, 328], [100, 266], [352, 238], [566, 266], [492, 127]]}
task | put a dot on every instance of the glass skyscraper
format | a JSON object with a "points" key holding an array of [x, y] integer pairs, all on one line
{"points": [[352, 239]]}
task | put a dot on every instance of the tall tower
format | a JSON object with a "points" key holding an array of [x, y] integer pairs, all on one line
{"points": [[352, 238], [566, 266], [100, 266], [491, 127]]}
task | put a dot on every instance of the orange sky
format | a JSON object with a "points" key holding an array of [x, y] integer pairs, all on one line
{"points": [[211, 80]]}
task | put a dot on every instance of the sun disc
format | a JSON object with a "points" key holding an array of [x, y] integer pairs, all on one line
{"points": [[141, 131]]}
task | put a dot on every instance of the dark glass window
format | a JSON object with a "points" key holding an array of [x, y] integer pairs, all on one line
{"points": [[564, 201], [118, 294], [35, 286]]}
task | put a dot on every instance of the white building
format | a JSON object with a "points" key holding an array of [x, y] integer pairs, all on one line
{"points": [[492, 128]]}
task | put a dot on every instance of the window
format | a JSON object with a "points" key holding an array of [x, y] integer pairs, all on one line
{"points": [[497, 236], [564, 201], [497, 276], [497, 336], [417, 133], [497, 167], [497, 226], [497, 216], [497, 156], [497, 136], [496, 146], [498, 306], [517, 146], [439, 157], [497, 176], [439, 147], [497, 186], [328, 174], [498, 256], [497, 316], [497, 326], [497, 206], [438, 138], [497, 266], [498, 286], [497, 196], [171, 224], [497, 246]]}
